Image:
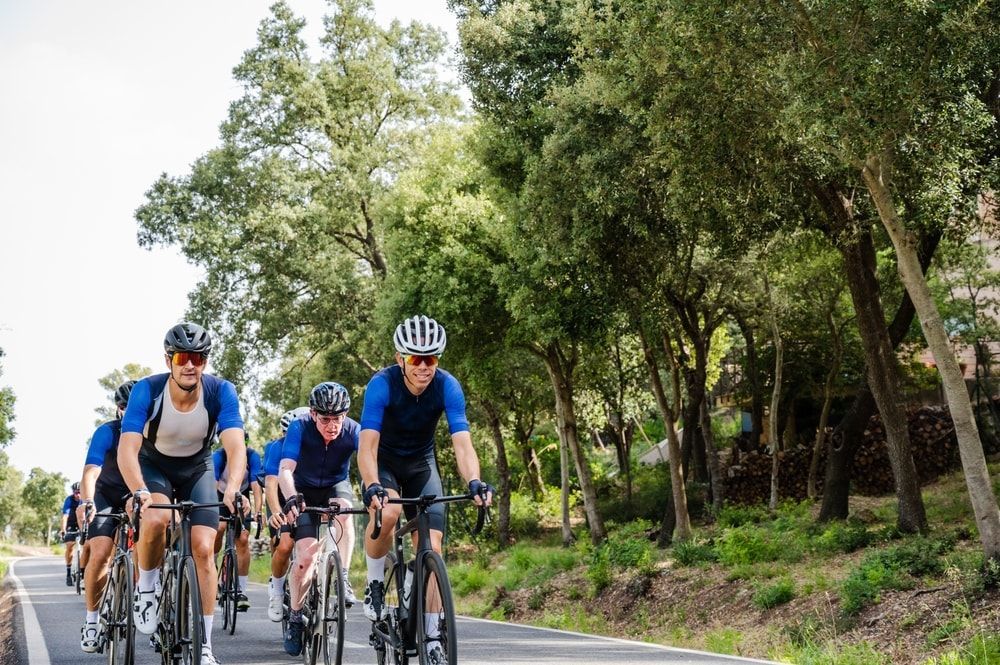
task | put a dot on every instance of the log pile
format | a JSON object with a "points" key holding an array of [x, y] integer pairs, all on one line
{"points": [[935, 451]]}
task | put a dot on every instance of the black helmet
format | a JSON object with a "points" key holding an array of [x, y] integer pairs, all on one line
{"points": [[187, 337], [76, 486], [122, 393], [330, 399]]}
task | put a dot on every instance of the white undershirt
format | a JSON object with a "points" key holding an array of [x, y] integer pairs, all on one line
{"points": [[181, 434]]}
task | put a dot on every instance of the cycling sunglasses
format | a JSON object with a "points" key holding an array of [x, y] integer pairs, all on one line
{"points": [[181, 358], [430, 361]]}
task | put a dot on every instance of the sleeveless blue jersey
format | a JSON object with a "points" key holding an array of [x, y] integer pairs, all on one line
{"points": [[407, 421], [103, 452], [319, 465]]}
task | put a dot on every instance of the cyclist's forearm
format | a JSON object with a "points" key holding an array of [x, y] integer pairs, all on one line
{"points": [[89, 481], [271, 494], [236, 457], [368, 456], [128, 460], [286, 480], [465, 456], [65, 519], [258, 497]]}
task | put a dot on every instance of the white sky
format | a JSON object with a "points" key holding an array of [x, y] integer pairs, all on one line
{"points": [[96, 100]]}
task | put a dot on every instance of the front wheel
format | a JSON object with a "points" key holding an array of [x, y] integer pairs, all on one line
{"points": [[187, 616], [119, 628], [77, 573], [334, 616], [227, 585], [395, 612], [436, 643]]}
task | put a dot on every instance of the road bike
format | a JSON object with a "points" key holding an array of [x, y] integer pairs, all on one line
{"points": [[116, 632], [180, 630], [229, 584], [416, 589], [324, 608]]}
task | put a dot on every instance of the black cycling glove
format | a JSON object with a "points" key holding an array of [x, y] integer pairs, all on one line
{"points": [[476, 486], [371, 491]]}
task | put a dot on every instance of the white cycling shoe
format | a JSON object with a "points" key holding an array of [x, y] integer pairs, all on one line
{"points": [[145, 611], [274, 607], [88, 637]]}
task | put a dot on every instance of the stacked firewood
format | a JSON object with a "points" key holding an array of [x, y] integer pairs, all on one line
{"points": [[932, 437]]}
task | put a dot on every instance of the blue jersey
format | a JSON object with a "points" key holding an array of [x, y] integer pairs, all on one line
{"points": [[103, 452], [319, 465], [219, 459], [272, 457], [69, 509], [145, 405], [407, 421]]}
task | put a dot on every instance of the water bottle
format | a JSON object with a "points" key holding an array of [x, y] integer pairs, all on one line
{"points": [[407, 583]]}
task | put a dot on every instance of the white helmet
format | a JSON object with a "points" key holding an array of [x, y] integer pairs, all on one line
{"points": [[288, 416], [420, 336]]}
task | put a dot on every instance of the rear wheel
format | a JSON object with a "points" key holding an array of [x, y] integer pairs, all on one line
{"points": [[435, 645], [332, 622], [188, 615], [227, 583], [310, 633]]}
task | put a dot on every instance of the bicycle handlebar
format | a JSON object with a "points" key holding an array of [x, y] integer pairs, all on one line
{"points": [[427, 500]]}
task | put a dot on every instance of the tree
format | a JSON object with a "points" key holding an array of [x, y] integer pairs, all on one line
{"points": [[7, 399], [284, 213], [11, 481], [111, 381], [42, 495]]}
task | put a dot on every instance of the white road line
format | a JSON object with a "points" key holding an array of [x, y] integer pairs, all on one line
{"points": [[737, 659], [38, 653]]}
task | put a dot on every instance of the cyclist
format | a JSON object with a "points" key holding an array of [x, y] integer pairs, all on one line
{"points": [[172, 417], [281, 533], [315, 463], [69, 528], [403, 404], [103, 492], [249, 484]]}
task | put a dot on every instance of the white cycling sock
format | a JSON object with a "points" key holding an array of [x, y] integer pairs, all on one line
{"points": [[208, 630], [147, 579], [244, 583], [277, 586], [431, 624], [376, 568], [92, 616]]}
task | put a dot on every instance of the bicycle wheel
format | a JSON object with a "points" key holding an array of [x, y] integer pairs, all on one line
{"points": [[77, 575], [188, 619], [310, 627], [332, 623], [165, 630], [119, 629], [436, 644], [228, 582], [395, 609]]}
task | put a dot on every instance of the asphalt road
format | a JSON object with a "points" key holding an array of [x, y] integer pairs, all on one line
{"points": [[53, 613]]}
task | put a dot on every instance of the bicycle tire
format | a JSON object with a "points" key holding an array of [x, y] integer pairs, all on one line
{"points": [[310, 633], [435, 599], [395, 609], [188, 615], [333, 622], [77, 574], [120, 629], [165, 627], [228, 582]]}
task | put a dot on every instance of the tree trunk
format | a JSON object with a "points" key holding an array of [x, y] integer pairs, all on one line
{"points": [[567, 531], [970, 448], [675, 517], [756, 392], [532, 467], [503, 474], [714, 467], [560, 369], [779, 353], [824, 416]]}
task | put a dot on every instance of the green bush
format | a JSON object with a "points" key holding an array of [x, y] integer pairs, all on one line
{"points": [[772, 595], [746, 545], [599, 571], [983, 650], [733, 515], [864, 584], [629, 547], [843, 538], [692, 552], [525, 516], [468, 579]]}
